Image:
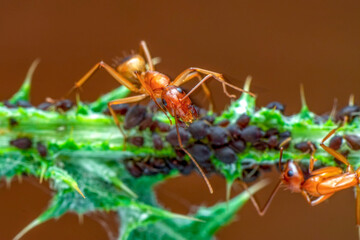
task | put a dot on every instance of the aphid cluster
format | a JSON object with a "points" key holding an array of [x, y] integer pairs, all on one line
{"points": [[203, 138]]}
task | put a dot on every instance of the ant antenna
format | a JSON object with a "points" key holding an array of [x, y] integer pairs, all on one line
{"points": [[192, 158]]}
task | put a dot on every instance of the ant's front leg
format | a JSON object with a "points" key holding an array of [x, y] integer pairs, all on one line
{"points": [[312, 158], [334, 153], [191, 157], [217, 76], [201, 83]]}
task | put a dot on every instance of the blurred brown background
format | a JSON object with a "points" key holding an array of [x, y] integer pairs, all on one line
{"points": [[280, 43]]}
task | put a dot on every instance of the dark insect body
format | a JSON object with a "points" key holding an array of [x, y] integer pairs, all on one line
{"points": [[22, 143]]}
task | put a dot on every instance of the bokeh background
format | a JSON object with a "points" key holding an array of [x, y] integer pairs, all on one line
{"points": [[280, 43]]}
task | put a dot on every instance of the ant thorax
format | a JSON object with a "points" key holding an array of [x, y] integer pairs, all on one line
{"points": [[156, 81], [178, 106]]}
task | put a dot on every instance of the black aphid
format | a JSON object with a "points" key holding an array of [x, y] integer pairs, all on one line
{"points": [[276, 105], [226, 155], [119, 109], [218, 136], [200, 152], [353, 141], [64, 105], [22, 143], [157, 141], [42, 150], [172, 137], [252, 134], [335, 142], [137, 141], [134, 116], [199, 129], [243, 121]]}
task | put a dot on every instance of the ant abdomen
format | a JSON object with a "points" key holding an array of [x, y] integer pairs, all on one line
{"points": [[130, 64]]}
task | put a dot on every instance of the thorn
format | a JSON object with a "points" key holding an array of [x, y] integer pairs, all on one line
{"points": [[351, 100], [78, 98], [8, 182], [333, 110], [31, 70], [23, 92], [76, 187], [19, 176], [81, 218], [247, 83], [27, 229], [228, 191], [43, 170], [302, 96]]}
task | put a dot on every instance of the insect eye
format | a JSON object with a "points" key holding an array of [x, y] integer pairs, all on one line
{"points": [[164, 102], [180, 90], [290, 173]]}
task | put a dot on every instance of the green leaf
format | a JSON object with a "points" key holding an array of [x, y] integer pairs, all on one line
{"points": [[213, 219]]}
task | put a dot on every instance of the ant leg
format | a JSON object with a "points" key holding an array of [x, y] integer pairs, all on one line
{"points": [[117, 76], [262, 211], [327, 172], [145, 50], [120, 101], [317, 200], [207, 92], [192, 158], [312, 159], [334, 153], [280, 158], [286, 141], [217, 76]]}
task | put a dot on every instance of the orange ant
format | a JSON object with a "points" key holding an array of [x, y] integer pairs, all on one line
{"points": [[321, 183], [137, 73]]}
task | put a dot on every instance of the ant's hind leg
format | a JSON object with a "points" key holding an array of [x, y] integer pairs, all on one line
{"points": [[117, 76]]}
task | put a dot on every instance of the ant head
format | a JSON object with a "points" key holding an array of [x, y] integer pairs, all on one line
{"points": [[292, 176], [183, 109], [130, 64]]}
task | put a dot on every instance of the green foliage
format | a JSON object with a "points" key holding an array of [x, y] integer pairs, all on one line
{"points": [[85, 156]]}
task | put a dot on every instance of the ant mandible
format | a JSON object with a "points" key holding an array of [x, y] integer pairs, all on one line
{"points": [[137, 73], [320, 184]]}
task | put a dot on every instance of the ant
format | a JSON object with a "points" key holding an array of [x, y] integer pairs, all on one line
{"points": [[320, 184], [137, 73]]}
